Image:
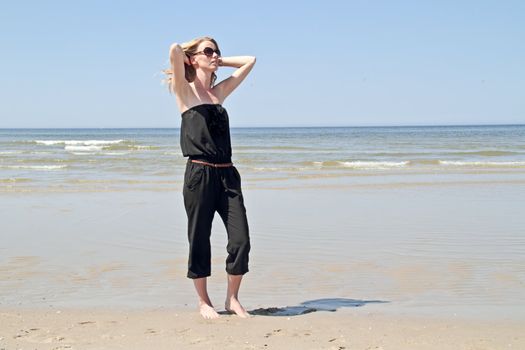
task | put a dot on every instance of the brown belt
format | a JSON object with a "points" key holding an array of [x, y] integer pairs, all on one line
{"points": [[215, 165]]}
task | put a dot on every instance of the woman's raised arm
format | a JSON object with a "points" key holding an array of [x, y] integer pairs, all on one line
{"points": [[244, 65], [177, 59]]}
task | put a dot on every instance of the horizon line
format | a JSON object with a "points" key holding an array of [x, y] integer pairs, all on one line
{"points": [[269, 127]]}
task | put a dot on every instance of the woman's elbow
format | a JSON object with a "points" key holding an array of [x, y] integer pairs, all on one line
{"points": [[175, 47]]}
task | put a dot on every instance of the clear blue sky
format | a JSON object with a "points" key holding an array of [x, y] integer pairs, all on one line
{"points": [[333, 63]]}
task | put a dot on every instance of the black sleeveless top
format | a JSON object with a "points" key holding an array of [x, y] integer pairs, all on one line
{"points": [[205, 133]]}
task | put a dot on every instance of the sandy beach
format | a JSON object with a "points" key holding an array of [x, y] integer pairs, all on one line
{"points": [[184, 329]]}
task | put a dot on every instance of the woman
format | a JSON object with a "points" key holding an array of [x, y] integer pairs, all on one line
{"points": [[211, 182]]}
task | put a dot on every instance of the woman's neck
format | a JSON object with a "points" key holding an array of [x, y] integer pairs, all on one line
{"points": [[202, 80]]}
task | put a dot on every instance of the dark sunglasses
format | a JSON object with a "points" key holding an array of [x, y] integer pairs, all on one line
{"points": [[208, 51]]}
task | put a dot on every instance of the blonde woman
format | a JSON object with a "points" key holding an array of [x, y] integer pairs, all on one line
{"points": [[211, 182]]}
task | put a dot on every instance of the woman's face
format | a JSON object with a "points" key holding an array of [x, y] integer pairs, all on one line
{"points": [[203, 61]]}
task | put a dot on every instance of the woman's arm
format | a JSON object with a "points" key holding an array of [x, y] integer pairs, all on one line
{"points": [[236, 61], [244, 65], [178, 58]]}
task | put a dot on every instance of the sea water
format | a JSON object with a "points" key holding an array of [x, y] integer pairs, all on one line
{"points": [[70, 160]]}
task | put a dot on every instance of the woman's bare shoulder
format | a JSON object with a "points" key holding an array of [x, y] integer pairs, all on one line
{"points": [[187, 103]]}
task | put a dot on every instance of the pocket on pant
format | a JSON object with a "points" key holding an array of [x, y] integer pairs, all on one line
{"points": [[237, 175], [231, 181], [194, 177]]}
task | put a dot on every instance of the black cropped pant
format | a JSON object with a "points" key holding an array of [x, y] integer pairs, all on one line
{"points": [[208, 189]]}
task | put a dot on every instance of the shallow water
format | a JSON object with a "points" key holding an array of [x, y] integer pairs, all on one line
{"points": [[418, 249]]}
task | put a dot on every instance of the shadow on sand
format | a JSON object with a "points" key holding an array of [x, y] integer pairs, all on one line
{"points": [[327, 304]]}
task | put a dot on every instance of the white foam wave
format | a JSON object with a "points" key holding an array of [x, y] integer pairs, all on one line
{"points": [[78, 142], [86, 148], [481, 164], [371, 165], [37, 167], [267, 169], [374, 165], [362, 164]]}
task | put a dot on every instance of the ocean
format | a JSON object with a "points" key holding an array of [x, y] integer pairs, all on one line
{"points": [[70, 160], [425, 219]]}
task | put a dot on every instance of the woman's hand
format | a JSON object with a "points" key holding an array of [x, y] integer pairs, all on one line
{"points": [[237, 61]]}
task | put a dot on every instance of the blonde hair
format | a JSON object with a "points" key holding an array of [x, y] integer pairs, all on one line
{"points": [[190, 48]]}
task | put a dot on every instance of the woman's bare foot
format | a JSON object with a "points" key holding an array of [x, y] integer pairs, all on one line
{"points": [[207, 311], [233, 305], [205, 307]]}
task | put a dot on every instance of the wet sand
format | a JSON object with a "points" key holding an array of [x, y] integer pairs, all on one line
{"points": [[431, 267], [430, 248]]}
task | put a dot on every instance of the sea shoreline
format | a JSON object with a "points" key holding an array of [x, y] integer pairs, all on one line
{"points": [[400, 229]]}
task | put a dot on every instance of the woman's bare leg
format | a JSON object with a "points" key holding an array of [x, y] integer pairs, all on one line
{"points": [[232, 298], [205, 307]]}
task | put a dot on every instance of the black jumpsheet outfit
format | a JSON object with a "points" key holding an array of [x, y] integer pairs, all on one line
{"points": [[205, 136]]}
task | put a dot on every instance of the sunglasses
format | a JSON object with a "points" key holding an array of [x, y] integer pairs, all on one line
{"points": [[208, 51]]}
